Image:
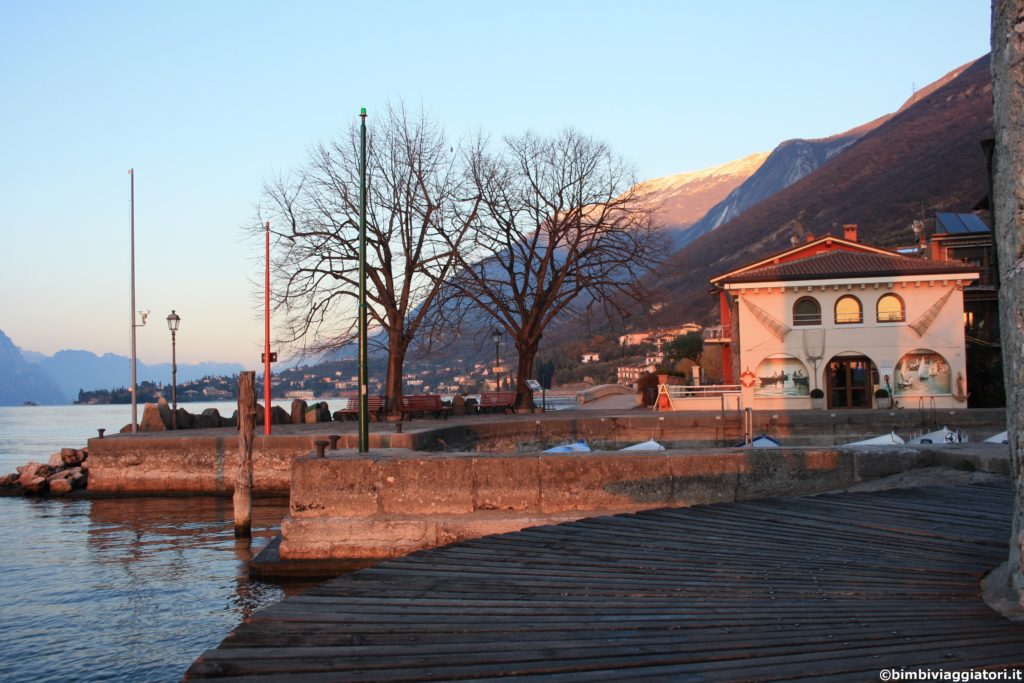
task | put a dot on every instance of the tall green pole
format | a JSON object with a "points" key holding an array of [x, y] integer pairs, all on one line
{"points": [[364, 399]]}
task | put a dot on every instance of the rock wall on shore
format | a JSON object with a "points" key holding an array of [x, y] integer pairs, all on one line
{"points": [[65, 471], [160, 417]]}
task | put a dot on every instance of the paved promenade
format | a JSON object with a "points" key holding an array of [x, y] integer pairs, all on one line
{"points": [[835, 587]]}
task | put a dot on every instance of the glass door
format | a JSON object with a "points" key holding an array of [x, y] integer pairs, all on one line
{"points": [[849, 382]]}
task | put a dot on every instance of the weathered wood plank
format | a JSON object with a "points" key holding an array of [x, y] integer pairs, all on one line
{"points": [[835, 587]]}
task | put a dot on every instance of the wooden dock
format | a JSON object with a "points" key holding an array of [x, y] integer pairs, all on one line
{"points": [[834, 587]]}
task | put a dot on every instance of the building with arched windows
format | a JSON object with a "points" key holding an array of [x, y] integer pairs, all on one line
{"points": [[849, 319]]}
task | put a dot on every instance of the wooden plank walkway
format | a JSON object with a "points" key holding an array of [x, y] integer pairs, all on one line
{"points": [[834, 587]]}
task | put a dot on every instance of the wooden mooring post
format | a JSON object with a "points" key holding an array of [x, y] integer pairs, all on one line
{"points": [[243, 476]]}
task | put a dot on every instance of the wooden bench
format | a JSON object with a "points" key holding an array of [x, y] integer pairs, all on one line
{"points": [[377, 406], [490, 401], [422, 404]]}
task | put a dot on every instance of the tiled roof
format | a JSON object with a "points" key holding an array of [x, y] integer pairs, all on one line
{"points": [[846, 264]]}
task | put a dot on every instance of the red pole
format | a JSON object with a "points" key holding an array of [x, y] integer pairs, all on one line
{"points": [[266, 341]]}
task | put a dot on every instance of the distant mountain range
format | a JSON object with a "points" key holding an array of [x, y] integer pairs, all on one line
{"points": [[693, 204], [49, 380], [684, 198], [924, 158], [20, 381]]}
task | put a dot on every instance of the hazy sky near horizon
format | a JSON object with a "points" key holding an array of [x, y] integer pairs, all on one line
{"points": [[205, 99]]}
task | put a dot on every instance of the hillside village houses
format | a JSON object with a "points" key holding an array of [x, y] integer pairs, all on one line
{"points": [[847, 318], [630, 374], [658, 337]]}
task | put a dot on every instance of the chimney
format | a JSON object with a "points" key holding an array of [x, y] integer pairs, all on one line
{"points": [[809, 238], [850, 232]]}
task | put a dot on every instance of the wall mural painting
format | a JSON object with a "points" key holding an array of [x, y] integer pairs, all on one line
{"points": [[921, 372], [782, 377]]}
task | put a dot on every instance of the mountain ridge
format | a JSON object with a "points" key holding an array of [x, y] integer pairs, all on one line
{"points": [[926, 157], [21, 381], [57, 379]]}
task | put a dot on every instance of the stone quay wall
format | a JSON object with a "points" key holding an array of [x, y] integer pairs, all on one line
{"points": [[390, 503], [203, 461], [193, 464]]}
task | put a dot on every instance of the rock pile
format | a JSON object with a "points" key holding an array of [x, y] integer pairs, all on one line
{"points": [[156, 417], [65, 472]]}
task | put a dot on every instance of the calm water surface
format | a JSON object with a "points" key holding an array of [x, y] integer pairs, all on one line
{"points": [[115, 589], [128, 589]]}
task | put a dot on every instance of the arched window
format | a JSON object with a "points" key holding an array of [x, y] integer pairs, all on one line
{"points": [[807, 311], [890, 309], [848, 310]]}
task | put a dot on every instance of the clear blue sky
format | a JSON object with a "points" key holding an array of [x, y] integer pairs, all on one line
{"points": [[204, 99]]}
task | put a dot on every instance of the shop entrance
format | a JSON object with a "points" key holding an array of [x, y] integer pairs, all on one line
{"points": [[849, 380]]}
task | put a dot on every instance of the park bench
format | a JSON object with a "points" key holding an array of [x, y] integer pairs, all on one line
{"points": [[421, 404], [350, 409], [490, 401]]}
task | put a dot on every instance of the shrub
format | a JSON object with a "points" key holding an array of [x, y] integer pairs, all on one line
{"points": [[817, 393]]}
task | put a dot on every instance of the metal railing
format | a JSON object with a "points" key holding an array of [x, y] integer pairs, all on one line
{"points": [[685, 397], [807, 318]]}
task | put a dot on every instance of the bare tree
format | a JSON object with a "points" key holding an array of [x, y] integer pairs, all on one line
{"points": [[560, 231], [1008, 195], [417, 216]]}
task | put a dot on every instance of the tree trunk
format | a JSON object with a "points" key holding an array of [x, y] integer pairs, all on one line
{"points": [[527, 354], [393, 382], [1008, 205], [243, 475]]}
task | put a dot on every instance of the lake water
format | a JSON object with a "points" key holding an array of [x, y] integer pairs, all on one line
{"points": [[116, 589], [119, 589]]}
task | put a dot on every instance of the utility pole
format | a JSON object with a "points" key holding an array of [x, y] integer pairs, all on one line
{"points": [[364, 399], [134, 381], [266, 340]]}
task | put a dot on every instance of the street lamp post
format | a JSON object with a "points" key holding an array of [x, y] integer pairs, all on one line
{"points": [[173, 320], [496, 336]]}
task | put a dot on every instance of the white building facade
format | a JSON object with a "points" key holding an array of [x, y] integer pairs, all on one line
{"points": [[848, 319]]}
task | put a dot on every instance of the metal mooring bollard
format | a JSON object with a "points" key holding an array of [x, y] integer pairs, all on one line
{"points": [[334, 441], [398, 428], [101, 432], [321, 446]]}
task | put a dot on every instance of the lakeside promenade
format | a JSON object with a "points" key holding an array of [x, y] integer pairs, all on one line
{"points": [[836, 587], [203, 461]]}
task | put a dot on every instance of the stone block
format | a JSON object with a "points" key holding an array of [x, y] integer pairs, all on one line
{"points": [[792, 472], [152, 421], [875, 462], [426, 485], [333, 537], [32, 470], [582, 481], [478, 525], [209, 418], [34, 484], [58, 487], [345, 487], [699, 479], [72, 456], [506, 483]]}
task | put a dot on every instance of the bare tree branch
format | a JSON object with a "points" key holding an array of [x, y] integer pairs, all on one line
{"points": [[560, 225], [417, 218]]}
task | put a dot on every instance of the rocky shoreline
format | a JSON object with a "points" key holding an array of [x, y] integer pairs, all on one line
{"points": [[159, 416], [65, 472]]}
